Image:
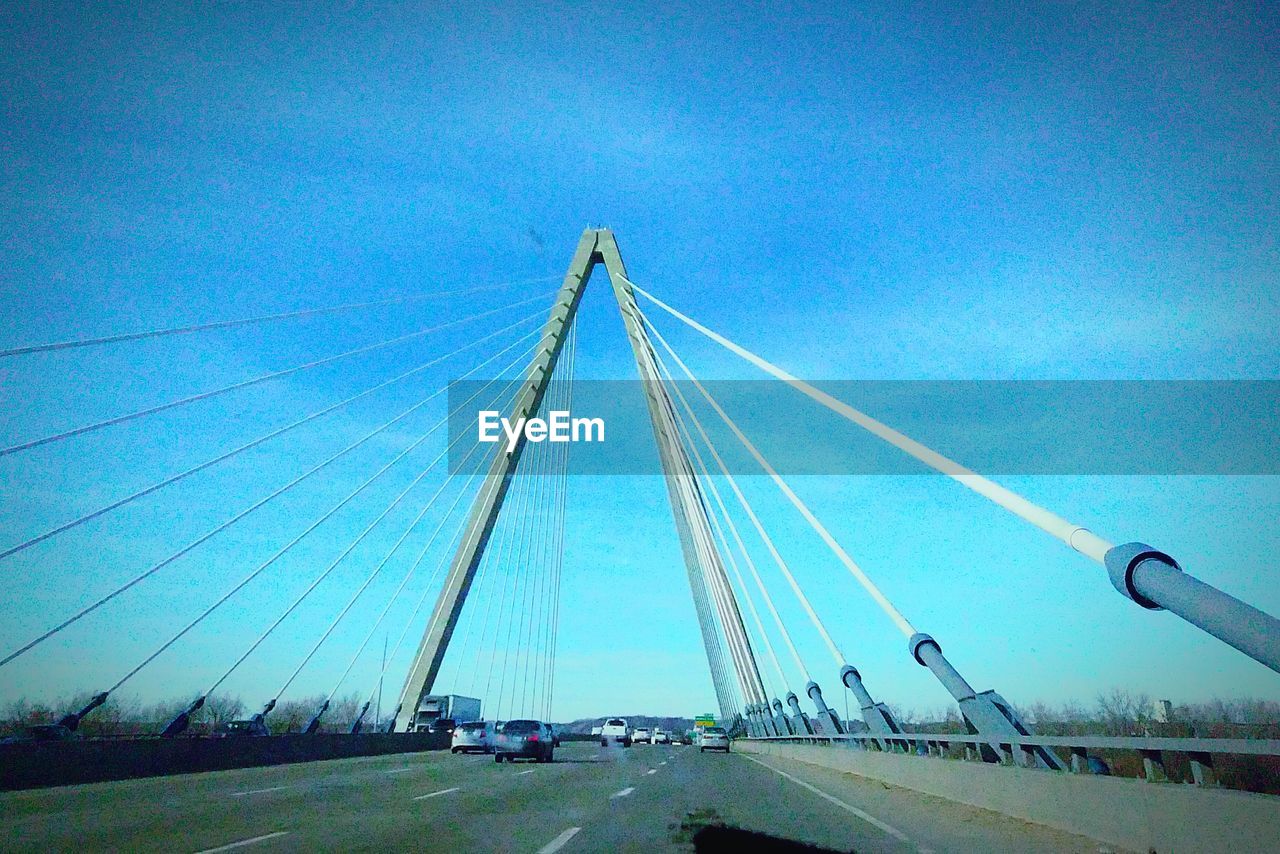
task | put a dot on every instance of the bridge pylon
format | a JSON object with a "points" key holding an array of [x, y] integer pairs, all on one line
{"points": [[597, 246]]}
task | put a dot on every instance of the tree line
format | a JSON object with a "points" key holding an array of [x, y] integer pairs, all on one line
{"points": [[129, 716]]}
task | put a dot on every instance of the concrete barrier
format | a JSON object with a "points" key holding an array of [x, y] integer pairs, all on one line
{"points": [[62, 763], [1125, 812]]}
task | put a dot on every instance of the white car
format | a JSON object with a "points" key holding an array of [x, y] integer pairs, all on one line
{"points": [[615, 730], [473, 737], [714, 738], [640, 736], [660, 737]]}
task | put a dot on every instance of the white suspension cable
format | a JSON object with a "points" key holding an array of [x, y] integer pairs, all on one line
{"points": [[280, 553], [768, 541], [244, 321], [737, 572], [560, 526], [511, 534], [537, 642], [98, 603], [537, 463], [856, 571], [733, 529], [404, 581], [1077, 537], [261, 378], [66, 526], [494, 555], [430, 585], [740, 672], [377, 569], [396, 547]]}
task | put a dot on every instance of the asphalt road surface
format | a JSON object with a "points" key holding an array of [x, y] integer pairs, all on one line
{"points": [[643, 798]]}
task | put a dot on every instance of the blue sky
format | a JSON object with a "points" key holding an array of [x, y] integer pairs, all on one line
{"points": [[986, 192]]}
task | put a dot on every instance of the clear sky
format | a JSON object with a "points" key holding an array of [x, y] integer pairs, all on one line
{"points": [[992, 191]]}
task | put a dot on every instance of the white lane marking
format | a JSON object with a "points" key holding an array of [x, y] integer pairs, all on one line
{"points": [[530, 771], [867, 817], [663, 762], [436, 794], [243, 842], [258, 791], [651, 771], [399, 770], [628, 790], [559, 842]]}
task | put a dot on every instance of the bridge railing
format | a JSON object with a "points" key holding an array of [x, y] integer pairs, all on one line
{"points": [[1019, 750]]}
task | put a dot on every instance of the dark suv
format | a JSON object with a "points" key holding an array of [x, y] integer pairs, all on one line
{"points": [[524, 740]]}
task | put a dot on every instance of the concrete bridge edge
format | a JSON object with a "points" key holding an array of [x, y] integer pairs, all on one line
{"points": [[1128, 813]]}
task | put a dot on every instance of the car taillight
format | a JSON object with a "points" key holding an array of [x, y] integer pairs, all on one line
{"points": [[533, 738]]}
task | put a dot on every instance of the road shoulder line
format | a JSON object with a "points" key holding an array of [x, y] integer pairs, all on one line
{"points": [[862, 814], [246, 842]]}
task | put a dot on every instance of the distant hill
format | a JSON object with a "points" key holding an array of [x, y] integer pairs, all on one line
{"points": [[584, 725]]}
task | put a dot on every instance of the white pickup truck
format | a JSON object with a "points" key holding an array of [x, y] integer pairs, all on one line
{"points": [[615, 730]]}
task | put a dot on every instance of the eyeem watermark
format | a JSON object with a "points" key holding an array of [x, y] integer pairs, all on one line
{"points": [[559, 427], [1051, 427]]}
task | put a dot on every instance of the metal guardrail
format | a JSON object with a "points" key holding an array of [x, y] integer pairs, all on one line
{"points": [[1018, 749]]}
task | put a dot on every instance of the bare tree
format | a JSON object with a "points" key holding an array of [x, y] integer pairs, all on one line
{"points": [[294, 715], [117, 716], [219, 709], [1123, 713], [342, 713], [22, 713]]}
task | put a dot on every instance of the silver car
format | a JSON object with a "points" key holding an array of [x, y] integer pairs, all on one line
{"points": [[472, 737], [714, 738], [524, 740]]}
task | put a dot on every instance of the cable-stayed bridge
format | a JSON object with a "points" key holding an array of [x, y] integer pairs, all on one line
{"points": [[488, 536]]}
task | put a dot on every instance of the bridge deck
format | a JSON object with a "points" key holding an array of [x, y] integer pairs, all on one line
{"points": [[435, 801]]}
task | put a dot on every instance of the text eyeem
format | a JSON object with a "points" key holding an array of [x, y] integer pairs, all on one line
{"points": [[559, 426]]}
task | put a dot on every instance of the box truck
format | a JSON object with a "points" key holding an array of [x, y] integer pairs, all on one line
{"points": [[443, 708]]}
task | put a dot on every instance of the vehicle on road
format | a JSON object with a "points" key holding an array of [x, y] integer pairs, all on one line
{"points": [[523, 739], [660, 737], [596, 730], [640, 736], [443, 725], [714, 738], [440, 707], [615, 730], [250, 727], [472, 737]]}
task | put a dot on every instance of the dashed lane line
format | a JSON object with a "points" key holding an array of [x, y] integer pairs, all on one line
{"points": [[559, 842], [651, 771], [436, 794], [865, 816], [530, 771], [628, 790], [258, 791], [245, 842]]}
